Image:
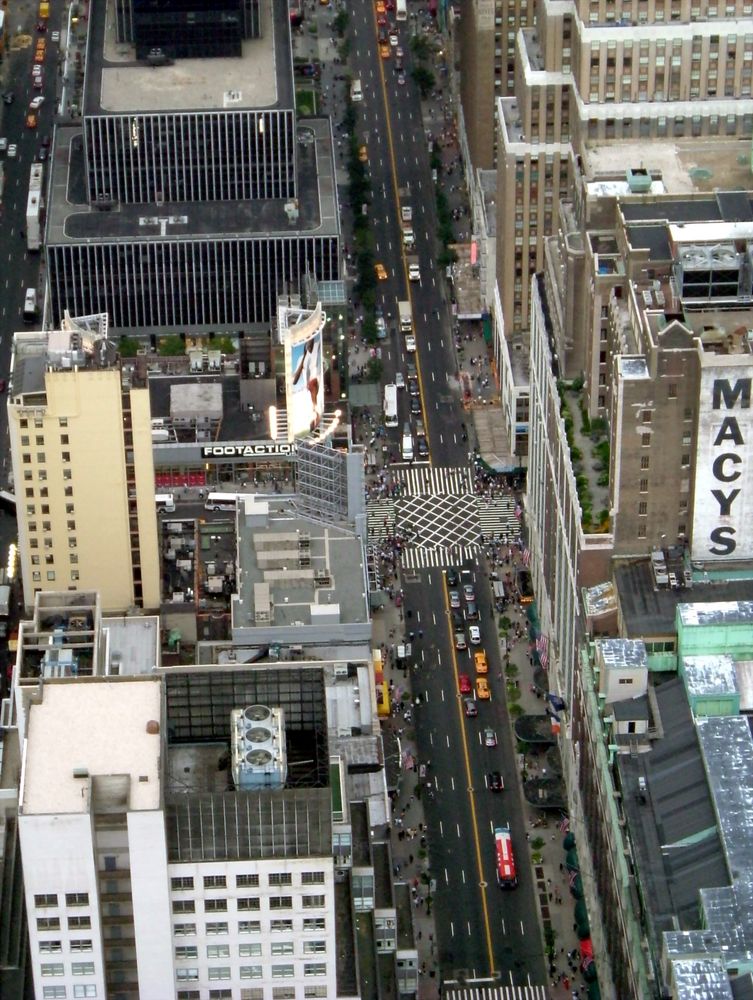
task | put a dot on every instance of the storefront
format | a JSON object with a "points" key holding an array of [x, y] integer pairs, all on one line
{"points": [[265, 464]]}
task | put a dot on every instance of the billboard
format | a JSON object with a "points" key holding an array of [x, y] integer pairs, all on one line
{"points": [[304, 372], [724, 466]]}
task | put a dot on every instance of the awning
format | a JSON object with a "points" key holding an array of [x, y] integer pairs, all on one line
{"points": [[486, 327]]}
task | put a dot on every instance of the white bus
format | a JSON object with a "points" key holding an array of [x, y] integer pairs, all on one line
{"points": [[390, 405], [34, 208], [401, 14], [221, 501], [164, 502]]}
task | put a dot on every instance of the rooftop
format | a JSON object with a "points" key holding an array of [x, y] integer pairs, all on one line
{"points": [[294, 571], [80, 343], [684, 166], [117, 83], [649, 611], [705, 675], [717, 613], [118, 747], [673, 825], [71, 219]]}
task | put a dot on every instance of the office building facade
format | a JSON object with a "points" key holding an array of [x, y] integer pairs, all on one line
{"points": [[602, 71], [81, 448]]}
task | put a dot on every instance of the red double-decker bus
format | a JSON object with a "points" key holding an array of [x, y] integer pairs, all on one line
{"points": [[506, 876]]}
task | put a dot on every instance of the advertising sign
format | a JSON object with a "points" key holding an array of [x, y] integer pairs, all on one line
{"points": [[304, 373], [724, 468]]}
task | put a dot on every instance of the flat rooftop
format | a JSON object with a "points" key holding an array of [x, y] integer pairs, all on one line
{"points": [[686, 165], [271, 552], [116, 744], [116, 83], [70, 219], [648, 611], [134, 644]]}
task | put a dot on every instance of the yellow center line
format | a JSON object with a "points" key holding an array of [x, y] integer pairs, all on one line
{"points": [[396, 192], [474, 821]]}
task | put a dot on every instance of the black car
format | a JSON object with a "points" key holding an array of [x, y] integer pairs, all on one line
{"points": [[415, 406], [422, 447], [496, 784], [9, 97], [413, 389], [43, 154], [411, 369], [452, 577], [458, 621]]}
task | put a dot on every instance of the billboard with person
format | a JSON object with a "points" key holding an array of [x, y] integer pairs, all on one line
{"points": [[304, 371]]}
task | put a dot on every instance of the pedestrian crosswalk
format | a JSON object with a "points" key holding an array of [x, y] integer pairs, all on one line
{"points": [[483, 992], [497, 518], [435, 481], [380, 519], [441, 556]]}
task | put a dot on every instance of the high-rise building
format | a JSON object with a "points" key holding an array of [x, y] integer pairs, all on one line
{"points": [[81, 448], [616, 72], [189, 197]]}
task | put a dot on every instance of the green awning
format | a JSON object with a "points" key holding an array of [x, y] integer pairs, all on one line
{"points": [[486, 327], [569, 842], [571, 861]]}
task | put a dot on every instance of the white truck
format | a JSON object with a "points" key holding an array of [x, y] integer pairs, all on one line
{"points": [[406, 212], [409, 237], [406, 317]]}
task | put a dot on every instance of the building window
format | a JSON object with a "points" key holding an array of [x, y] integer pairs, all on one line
{"points": [[52, 969], [246, 881], [315, 969], [79, 923], [646, 416], [255, 993], [187, 975], [185, 951], [282, 972], [218, 951], [642, 530], [642, 508], [85, 990], [67, 474], [46, 899], [280, 878], [77, 899], [645, 461], [311, 902], [65, 456], [48, 923], [215, 882], [276, 926], [215, 905], [41, 457], [249, 926], [250, 950], [50, 947], [314, 947], [53, 992], [315, 992], [82, 968], [672, 390], [685, 461], [312, 878], [62, 421], [81, 944], [217, 927], [251, 972], [183, 930], [223, 994], [281, 903], [189, 994], [220, 972], [64, 439], [688, 415], [250, 903], [643, 486], [184, 906], [282, 948], [313, 923], [180, 884], [283, 992]]}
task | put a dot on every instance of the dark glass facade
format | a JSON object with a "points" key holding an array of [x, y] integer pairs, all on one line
{"points": [[190, 156], [220, 284], [187, 29]]}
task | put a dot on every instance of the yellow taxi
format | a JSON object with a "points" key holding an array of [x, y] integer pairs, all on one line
{"points": [[482, 689], [363, 154], [381, 272], [39, 56], [380, 7], [31, 120], [482, 664], [384, 50]]}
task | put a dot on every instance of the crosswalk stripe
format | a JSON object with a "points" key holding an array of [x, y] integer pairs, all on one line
{"points": [[440, 556], [435, 481]]}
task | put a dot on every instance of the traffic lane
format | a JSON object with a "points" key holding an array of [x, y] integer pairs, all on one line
{"points": [[518, 910], [458, 906]]}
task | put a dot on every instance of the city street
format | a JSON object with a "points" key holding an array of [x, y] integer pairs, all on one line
{"points": [[482, 931]]}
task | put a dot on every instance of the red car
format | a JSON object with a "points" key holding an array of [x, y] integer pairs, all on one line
{"points": [[464, 684]]}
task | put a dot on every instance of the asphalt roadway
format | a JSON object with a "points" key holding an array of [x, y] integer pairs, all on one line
{"points": [[483, 932]]}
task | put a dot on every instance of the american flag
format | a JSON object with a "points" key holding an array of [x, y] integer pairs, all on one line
{"points": [[526, 556], [571, 878], [565, 824], [518, 511], [542, 648]]}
